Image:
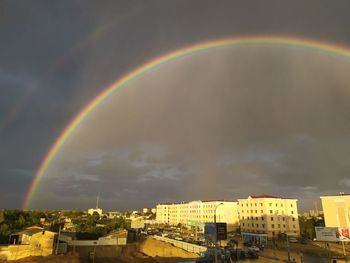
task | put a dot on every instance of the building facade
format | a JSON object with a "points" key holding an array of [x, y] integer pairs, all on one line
{"points": [[198, 213], [268, 216], [336, 210]]}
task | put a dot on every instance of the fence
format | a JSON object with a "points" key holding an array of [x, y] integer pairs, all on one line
{"points": [[184, 245]]}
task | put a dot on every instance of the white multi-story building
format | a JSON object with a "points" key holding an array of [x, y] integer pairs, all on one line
{"points": [[198, 213], [266, 216]]}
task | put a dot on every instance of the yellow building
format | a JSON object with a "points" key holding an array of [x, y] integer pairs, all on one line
{"points": [[198, 213], [336, 210], [266, 216]]}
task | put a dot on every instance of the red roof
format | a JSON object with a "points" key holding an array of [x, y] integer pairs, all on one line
{"points": [[263, 196]]}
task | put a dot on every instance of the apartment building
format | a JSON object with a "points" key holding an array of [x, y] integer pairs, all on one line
{"points": [[266, 216], [198, 213], [336, 210]]}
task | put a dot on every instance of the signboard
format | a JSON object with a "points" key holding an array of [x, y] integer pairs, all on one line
{"points": [[210, 232], [332, 234], [221, 231]]}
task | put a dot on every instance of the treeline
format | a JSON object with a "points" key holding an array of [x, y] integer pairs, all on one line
{"points": [[12, 221], [94, 226]]}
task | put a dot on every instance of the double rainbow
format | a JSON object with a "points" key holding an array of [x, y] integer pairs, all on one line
{"points": [[108, 91]]}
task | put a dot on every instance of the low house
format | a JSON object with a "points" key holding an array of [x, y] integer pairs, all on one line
{"points": [[33, 241]]}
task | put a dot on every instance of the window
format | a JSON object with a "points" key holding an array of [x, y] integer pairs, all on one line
{"points": [[272, 226], [293, 219], [263, 225], [257, 218], [261, 204], [276, 204], [279, 226], [255, 204], [257, 225], [292, 212], [271, 211], [282, 218], [270, 204], [242, 224], [261, 211], [272, 218], [291, 205], [284, 226], [243, 217], [262, 218], [256, 211], [293, 226]]}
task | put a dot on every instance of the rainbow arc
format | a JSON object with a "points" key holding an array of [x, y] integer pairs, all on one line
{"points": [[108, 91]]}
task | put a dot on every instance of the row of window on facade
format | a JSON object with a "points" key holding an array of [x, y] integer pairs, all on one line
{"points": [[261, 204], [263, 225], [262, 211], [263, 218]]}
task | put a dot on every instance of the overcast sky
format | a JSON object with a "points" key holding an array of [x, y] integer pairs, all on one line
{"points": [[224, 123]]}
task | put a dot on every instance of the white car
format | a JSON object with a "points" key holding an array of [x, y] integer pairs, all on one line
{"points": [[254, 248]]}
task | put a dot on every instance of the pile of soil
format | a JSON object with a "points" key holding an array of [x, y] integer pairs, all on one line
{"points": [[164, 252]]}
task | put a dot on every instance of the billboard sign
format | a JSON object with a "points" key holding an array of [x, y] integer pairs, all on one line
{"points": [[209, 232], [221, 231], [216, 232], [332, 234]]}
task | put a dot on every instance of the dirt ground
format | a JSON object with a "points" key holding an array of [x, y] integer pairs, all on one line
{"points": [[49, 259]]}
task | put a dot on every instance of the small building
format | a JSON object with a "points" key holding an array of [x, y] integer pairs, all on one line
{"points": [[33, 241]]}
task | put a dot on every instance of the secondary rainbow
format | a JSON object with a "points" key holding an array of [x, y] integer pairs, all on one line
{"points": [[108, 91]]}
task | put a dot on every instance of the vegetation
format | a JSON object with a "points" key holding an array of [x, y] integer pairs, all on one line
{"points": [[93, 227], [307, 226], [12, 221]]}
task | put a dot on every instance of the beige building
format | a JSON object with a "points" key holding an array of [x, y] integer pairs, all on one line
{"points": [[266, 216], [33, 241], [336, 210], [198, 213]]}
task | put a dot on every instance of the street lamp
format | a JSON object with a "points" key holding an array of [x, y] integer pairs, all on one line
{"points": [[216, 232]]}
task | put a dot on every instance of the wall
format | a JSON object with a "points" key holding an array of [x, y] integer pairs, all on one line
{"points": [[184, 245]]}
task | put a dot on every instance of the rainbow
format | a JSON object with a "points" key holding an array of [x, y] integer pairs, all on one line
{"points": [[108, 91]]}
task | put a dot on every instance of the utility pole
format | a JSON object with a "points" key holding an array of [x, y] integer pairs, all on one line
{"points": [[288, 248], [216, 234], [58, 239]]}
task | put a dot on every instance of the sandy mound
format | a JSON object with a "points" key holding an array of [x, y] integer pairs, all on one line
{"points": [[159, 249]]}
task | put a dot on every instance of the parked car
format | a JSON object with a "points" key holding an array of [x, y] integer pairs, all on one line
{"points": [[253, 248], [293, 240]]}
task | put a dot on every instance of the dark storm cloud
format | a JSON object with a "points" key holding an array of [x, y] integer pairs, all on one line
{"points": [[56, 57]]}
